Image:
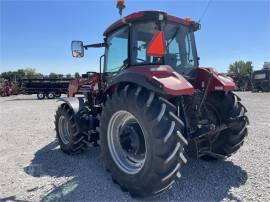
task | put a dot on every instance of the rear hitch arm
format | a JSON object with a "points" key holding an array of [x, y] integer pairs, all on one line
{"points": [[210, 76]]}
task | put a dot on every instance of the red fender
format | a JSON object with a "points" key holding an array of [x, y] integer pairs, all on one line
{"points": [[170, 81], [219, 82]]}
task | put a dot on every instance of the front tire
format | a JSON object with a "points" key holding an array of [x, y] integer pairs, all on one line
{"points": [[160, 157], [71, 140]]}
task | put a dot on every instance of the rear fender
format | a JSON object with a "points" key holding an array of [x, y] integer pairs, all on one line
{"points": [[160, 79], [75, 103], [218, 82]]}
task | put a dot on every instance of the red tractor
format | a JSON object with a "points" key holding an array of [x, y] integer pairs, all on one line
{"points": [[152, 104]]}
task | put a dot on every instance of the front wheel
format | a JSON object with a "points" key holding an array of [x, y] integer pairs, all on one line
{"points": [[57, 95], [51, 95], [141, 141], [71, 140], [40, 95]]}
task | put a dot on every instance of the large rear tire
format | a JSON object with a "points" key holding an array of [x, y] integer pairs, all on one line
{"points": [[232, 112], [158, 156], [71, 140]]}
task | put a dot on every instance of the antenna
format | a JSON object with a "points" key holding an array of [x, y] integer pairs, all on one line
{"points": [[205, 10], [120, 5]]}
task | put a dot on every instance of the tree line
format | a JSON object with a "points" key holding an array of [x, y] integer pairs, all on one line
{"points": [[241, 68], [238, 69], [32, 73]]}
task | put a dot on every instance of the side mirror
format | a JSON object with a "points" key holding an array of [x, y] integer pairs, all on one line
{"points": [[77, 49]]}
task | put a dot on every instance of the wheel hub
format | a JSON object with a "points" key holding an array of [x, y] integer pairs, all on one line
{"points": [[50, 95], [126, 142], [131, 139]]}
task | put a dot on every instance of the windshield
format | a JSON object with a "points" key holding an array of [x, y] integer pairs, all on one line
{"points": [[180, 46]]}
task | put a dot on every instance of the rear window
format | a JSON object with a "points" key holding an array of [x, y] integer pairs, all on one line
{"points": [[142, 34]]}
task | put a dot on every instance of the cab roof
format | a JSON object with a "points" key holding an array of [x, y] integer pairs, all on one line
{"points": [[149, 15]]}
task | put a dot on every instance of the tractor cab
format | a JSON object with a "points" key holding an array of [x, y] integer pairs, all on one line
{"points": [[150, 38]]}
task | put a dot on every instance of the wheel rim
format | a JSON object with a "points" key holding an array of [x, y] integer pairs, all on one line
{"points": [[126, 142], [64, 129], [40, 95], [50, 95]]}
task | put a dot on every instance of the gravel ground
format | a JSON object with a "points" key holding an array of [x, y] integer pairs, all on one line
{"points": [[32, 168]]}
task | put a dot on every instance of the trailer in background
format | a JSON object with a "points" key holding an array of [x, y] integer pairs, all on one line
{"points": [[261, 80], [46, 87], [242, 83]]}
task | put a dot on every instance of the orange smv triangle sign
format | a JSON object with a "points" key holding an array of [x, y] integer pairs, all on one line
{"points": [[156, 47]]}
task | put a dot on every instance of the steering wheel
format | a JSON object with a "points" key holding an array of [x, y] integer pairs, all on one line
{"points": [[141, 59]]}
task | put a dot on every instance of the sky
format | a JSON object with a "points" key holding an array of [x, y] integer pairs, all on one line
{"points": [[37, 34]]}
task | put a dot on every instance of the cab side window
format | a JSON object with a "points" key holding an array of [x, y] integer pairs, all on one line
{"points": [[117, 51]]}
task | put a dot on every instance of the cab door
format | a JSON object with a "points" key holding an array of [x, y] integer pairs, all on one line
{"points": [[116, 53]]}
